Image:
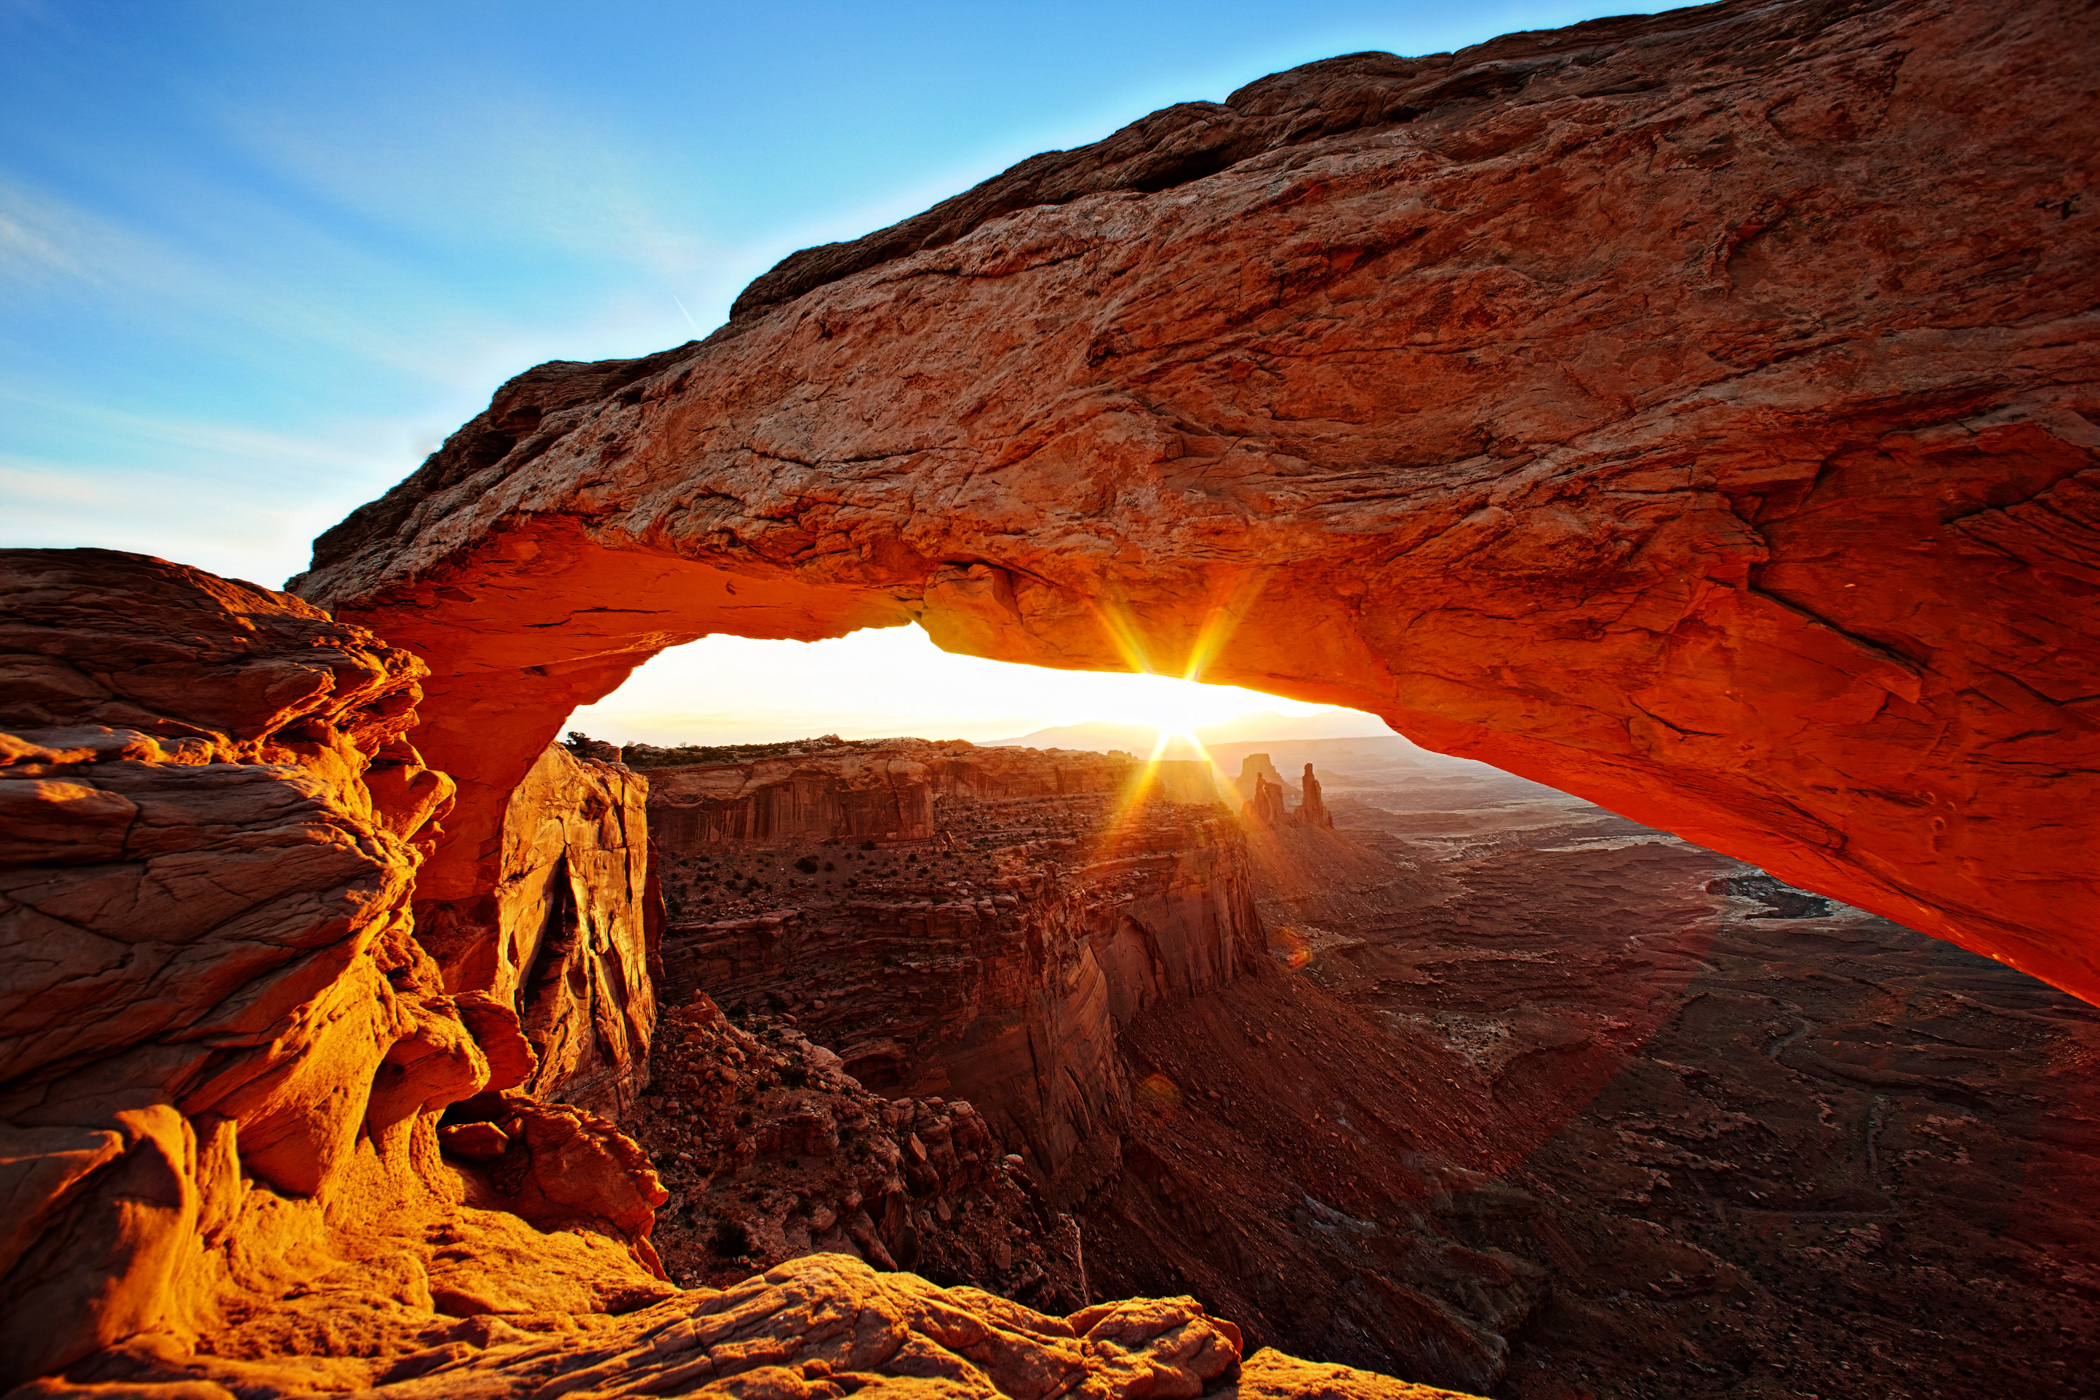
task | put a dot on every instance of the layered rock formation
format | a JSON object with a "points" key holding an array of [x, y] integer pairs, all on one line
{"points": [[579, 927], [1312, 807], [815, 1329], [832, 789], [1055, 895], [1694, 412], [1261, 788], [869, 795], [226, 1052], [252, 1144], [1256, 770], [1768, 517]]}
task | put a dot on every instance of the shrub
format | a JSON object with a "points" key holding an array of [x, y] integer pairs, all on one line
{"points": [[731, 1239]]}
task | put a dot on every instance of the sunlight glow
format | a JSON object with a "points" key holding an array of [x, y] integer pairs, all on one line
{"points": [[1185, 713], [894, 681]]}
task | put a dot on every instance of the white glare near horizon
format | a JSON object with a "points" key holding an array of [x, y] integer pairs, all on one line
{"points": [[895, 681]]}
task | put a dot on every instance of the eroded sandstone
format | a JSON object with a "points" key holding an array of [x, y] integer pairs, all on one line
{"points": [[814, 1329], [1767, 518], [259, 1141], [1043, 899], [226, 1051], [579, 929]]}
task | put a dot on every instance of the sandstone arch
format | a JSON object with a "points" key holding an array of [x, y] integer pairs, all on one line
{"points": [[1697, 413]]}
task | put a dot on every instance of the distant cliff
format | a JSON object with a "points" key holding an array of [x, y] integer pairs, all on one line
{"points": [[881, 789], [990, 952]]}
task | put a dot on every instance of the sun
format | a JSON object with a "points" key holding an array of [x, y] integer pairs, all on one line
{"points": [[1175, 709], [1177, 740]]}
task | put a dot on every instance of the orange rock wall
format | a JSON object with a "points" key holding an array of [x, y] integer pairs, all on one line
{"points": [[579, 929], [863, 796], [1694, 412], [225, 1051], [213, 1006]]}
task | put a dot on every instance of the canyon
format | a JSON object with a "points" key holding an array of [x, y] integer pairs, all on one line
{"points": [[1468, 1081], [1694, 413], [1670, 1129], [991, 955], [1489, 1088]]}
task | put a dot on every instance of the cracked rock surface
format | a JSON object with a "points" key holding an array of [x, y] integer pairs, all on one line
{"points": [[814, 1328]]}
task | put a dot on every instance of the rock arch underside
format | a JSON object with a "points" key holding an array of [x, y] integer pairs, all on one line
{"points": [[1693, 413], [1697, 413]]}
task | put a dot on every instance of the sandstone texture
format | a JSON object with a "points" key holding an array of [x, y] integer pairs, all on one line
{"points": [[1694, 412], [843, 790], [212, 1001], [579, 927], [814, 1329], [226, 1053]]}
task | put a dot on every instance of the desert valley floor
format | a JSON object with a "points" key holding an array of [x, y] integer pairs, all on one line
{"points": [[1523, 1097]]}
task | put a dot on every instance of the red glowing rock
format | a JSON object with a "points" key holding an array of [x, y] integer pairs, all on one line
{"points": [[1692, 412]]}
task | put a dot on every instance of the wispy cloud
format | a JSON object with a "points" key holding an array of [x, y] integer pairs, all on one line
{"points": [[30, 256], [230, 497], [312, 289], [89, 422], [503, 165]]}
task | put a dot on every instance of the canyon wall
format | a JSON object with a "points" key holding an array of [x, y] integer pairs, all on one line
{"points": [[1051, 896], [563, 979], [225, 1051], [883, 790], [1695, 412], [876, 796], [579, 927]]}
